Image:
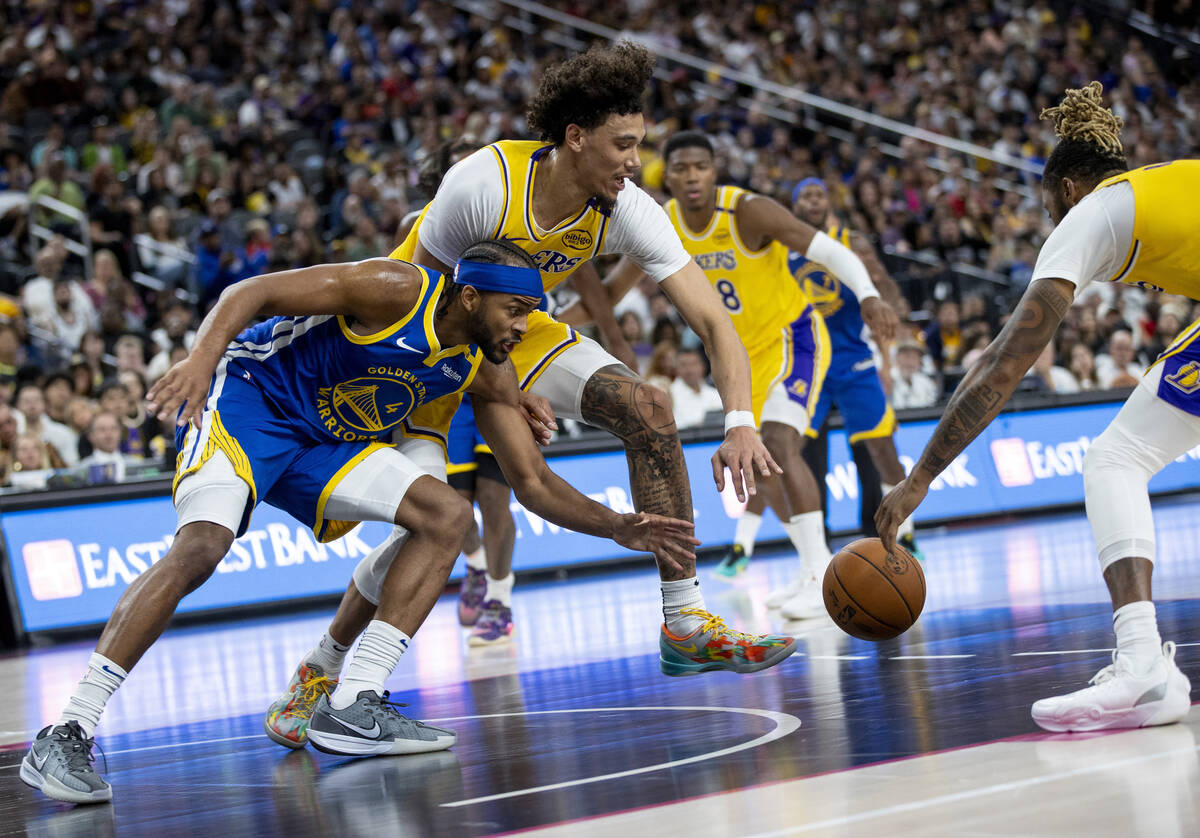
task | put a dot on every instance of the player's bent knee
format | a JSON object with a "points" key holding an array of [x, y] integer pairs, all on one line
{"points": [[197, 550], [780, 439], [1111, 454]]}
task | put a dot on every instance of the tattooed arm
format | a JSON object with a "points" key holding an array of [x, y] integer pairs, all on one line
{"points": [[980, 395]]}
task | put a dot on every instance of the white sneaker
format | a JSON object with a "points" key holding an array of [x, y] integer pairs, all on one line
{"points": [[779, 596], [808, 602], [1119, 698]]}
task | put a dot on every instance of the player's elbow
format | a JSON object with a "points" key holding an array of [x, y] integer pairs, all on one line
{"points": [[529, 486]]}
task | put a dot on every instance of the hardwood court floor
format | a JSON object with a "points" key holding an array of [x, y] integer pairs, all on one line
{"points": [[573, 731]]}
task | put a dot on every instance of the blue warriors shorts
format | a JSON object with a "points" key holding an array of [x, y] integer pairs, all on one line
{"points": [[1180, 382], [270, 451], [467, 455], [859, 396], [787, 374]]}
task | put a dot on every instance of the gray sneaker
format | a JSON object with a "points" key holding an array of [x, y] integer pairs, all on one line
{"points": [[371, 726], [59, 764]]}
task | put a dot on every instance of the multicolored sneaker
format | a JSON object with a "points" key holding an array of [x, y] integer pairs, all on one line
{"points": [[495, 625], [716, 646], [910, 544], [59, 764], [287, 719], [732, 564], [470, 596]]}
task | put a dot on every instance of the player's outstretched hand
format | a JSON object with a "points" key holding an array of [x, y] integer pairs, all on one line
{"points": [[184, 386], [540, 417], [669, 539], [881, 319], [897, 505], [742, 453]]}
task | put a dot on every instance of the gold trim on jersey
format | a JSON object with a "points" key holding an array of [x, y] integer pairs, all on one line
{"points": [[507, 192], [885, 428], [395, 327], [218, 439]]}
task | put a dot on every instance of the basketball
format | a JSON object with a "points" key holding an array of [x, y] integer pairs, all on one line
{"points": [[871, 594]]}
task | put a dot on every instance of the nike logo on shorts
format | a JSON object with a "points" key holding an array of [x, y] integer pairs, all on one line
{"points": [[400, 342], [369, 733]]}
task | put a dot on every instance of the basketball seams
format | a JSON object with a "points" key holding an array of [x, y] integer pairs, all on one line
{"points": [[884, 574], [849, 596]]}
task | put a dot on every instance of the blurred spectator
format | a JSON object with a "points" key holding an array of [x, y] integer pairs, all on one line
{"points": [[31, 404], [943, 337], [691, 396], [8, 441], [144, 433], [216, 267], [660, 371], [104, 436], [286, 188], [1118, 367], [102, 150], [1052, 377], [910, 386], [71, 318], [80, 411], [37, 295], [90, 368], [1083, 367], [55, 184], [116, 300], [58, 391], [54, 145], [130, 351], [1172, 317], [159, 253], [33, 463]]}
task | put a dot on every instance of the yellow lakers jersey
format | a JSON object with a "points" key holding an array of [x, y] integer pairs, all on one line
{"points": [[756, 286], [1165, 253], [557, 252]]}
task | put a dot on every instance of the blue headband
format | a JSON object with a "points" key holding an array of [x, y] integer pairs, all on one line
{"points": [[808, 181], [507, 279]]}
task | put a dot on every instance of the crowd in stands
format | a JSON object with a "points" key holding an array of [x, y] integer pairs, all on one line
{"points": [[195, 143]]}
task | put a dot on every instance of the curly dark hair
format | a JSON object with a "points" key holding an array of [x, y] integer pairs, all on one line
{"points": [[589, 88]]}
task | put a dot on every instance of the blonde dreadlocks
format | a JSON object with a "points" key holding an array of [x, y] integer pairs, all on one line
{"points": [[1089, 134]]}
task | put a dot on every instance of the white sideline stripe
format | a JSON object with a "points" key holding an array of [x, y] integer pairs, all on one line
{"points": [[838, 657], [167, 745], [785, 723], [926, 657], [1059, 652], [968, 795]]}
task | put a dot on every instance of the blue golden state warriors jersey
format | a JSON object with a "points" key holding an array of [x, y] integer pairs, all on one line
{"points": [[347, 387], [837, 304]]}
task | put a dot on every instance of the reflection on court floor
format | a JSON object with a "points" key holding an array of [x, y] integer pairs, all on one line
{"points": [[925, 735]]}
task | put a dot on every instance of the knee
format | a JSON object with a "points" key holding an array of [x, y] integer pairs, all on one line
{"points": [[447, 521], [193, 560], [780, 439], [651, 408]]}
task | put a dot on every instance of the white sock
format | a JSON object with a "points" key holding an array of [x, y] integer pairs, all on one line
{"points": [[807, 532], [500, 589], [906, 526], [329, 655], [678, 595], [378, 653], [94, 690], [746, 531], [1137, 634], [477, 560]]}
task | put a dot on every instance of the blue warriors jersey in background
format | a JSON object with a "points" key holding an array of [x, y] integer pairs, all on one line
{"points": [[853, 380], [348, 387], [838, 305]]}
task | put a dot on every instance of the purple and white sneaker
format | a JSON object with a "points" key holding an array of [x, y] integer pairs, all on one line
{"points": [[495, 625]]}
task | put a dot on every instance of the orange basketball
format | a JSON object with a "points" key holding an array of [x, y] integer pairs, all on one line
{"points": [[871, 594]]}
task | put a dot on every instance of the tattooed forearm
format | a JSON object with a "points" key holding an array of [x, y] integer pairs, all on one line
{"points": [[985, 389], [641, 417]]}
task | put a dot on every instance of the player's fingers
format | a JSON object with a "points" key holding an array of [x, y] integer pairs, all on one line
{"points": [[746, 465], [663, 554], [718, 468]]}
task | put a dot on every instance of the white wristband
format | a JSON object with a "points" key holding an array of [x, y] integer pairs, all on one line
{"points": [[739, 419]]}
